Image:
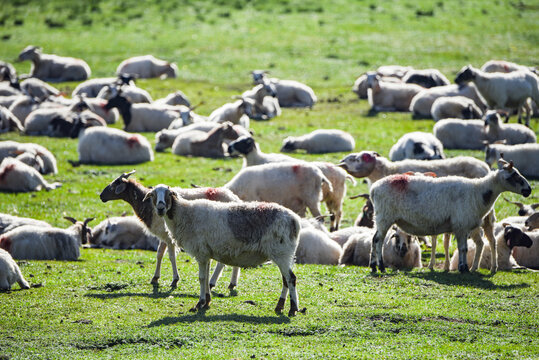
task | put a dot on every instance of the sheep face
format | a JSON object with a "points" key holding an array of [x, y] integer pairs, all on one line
{"points": [[242, 146], [85, 232], [491, 155], [516, 237], [161, 197], [532, 222], [465, 75], [171, 71], [372, 80], [512, 180], [469, 112], [269, 89], [359, 164], [163, 140], [289, 144], [114, 190], [29, 53], [258, 76], [402, 241]]}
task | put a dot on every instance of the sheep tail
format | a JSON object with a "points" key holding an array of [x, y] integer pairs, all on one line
{"points": [[326, 185], [351, 179]]}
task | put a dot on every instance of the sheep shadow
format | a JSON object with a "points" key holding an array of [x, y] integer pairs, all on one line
{"points": [[475, 280], [201, 317], [155, 294]]}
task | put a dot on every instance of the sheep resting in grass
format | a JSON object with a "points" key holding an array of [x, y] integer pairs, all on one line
{"points": [[528, 257], [147, 66], [124, 232], [237, 234], [10, 273], [320, 141], [316, 247], [290, 93], [10, 222], [210, 144], [417, 145], [505, 67], [523, 209], [524, 156], [512, 134], [16, 176], [389, 96], [10, 148], [532, 222], [426, 78], [8, 121], [455, 107]]}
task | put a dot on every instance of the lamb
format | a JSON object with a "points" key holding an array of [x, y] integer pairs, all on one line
{"points": [[10, 273], [209, 144], [506, 241], [147, 66], [8, 121], [296, 186], [401, 250], [10, 148], [266, 105], [504, 90], [455, 107], [504, 67], [125, 232], [388, 96], [133, 192], [511, 133], [237, 234], [54, 68], [16, 176], [316, 247], [109, 146], [524, 156], [417, 145], [237, 112], [418, 204], [320, 141], [31, 242], [10, 222], [290, 93], [426, 78], [528, 257], [523, 209], [175, 98], [421, 104], [532, 222]]}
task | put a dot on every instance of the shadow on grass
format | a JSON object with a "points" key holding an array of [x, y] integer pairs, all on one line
{"points": [[156, 294], [476, 280], [201, 317]]}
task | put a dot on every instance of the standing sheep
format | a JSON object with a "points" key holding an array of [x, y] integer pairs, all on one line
{"points": [[320, 142], [10, 273], [455, 107], [524, 156], [147, 66], [417, 145]]}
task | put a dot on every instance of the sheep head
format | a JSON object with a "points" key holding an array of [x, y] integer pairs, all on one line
{"points": [[85, 230], [466, 74], [29, 53], [516, 237], [359, 164], [242, 146], [161, 197], [289, 144], [512, 180], [115, 189], [402, 241], [258, 76], [532, 222]]}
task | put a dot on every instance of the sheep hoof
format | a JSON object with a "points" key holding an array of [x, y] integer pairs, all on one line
{"points": [[231, 286], [463, 268], [155, 280], [280, 306], [212, 286], [292, 312], [174, 283]]}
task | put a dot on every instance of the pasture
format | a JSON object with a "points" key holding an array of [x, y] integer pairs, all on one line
{"points": [[103, 305]]}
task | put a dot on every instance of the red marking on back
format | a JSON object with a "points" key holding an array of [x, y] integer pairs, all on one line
{"points": [[133, 140], [212, 194], [431, 174], [102, 106], [399, 182], [5, 171], [367, 158], [506, 68], [295, 168], [5, 243]]}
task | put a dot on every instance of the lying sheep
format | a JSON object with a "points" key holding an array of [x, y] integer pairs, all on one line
{"points": [[426, 78], [532, 222], [91, 88], [38, 89], [524, 156], [388, 96], [38, 122], [400, 250], [504, 90], [24, 105], [97, 106], [290, 93], [210, 144], [504, 67], [8, 121], [10, 148], [528, 257], [366, 217], [237, 234], [320, 141], [461, 134], [419, 205], [237, 112], [54, 68], [523, 209], [10, 222], [175, 98], [361, 85], [511, 133], [455, 107], [50, 243], [397, 71], [165, 138], [421, 104], [266, 105], [147, 66], [10, 273], [297, 186], [7, 71], [125, 232], [16, 176], [417, 145], [506, 241], [316, 247], [135, 94]]}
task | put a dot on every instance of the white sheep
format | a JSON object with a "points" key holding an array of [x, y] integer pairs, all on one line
{"points": [[123, 232], [455, 107], [147, 66], [46, 243], [10, 272], [504, 91], [524, 156], [421, 104], [417, 145], [237, 112], [165, 138], [133, 193], [8, 100], [7, 71], [506, 241], [320, 141], [341, 236], [297, 186], [528, 257], [199, 143], [237, 234], [54, 68], [91, 88], [24, 105], [316, 247], [361, 85], [10, 222], [97, 106], [523, 209], [389, 96], [16, 176], [290, 93], [266, 105], [10, 148], [532, 222], [135, 94], [397, 71], [511, 133], [426, 78], [461, 134], [504, 66], [38, 89], [175, 98], [8, 121], [419, 205], [39, 121]]}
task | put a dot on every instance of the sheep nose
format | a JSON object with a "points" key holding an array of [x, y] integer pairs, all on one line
{"points": [[160, 206], [526, 192]]}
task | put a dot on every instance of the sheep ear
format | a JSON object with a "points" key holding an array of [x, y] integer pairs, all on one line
{"points": [[120, 188], [535, 206], [505, 224], [69, 218], [147, 196]]}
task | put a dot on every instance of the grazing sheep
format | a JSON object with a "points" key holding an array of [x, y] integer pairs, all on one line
{"points": [[210, 144], [504, 90], [8, 121], [237, 234], [504, 67], [31, 242], [237, 112], [506, 241], [389, 96], [511, 133], [320, 141], [109, 146], [523, 209], [532, 222], [54, 68], [135, 94], [419, 205], [400, 250], [10, 273], [297, 186], [147, 66], [417, 145], [421, 104], [133, 193], [426, 78], [10, 222], [16, 176], [316, 247], [290, 93], [455, 107], [175, 98], [125, 232], [524, 156], [9, 148]]}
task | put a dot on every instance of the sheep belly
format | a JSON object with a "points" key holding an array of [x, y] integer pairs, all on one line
{"points": [[243, 259], [426, 228]]}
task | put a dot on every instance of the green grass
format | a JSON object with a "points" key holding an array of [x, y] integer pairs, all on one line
{"points": [[103, 305]]}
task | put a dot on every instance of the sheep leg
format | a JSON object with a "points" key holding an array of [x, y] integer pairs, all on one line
{"points": [[479, 244], [447, 242], [172, 258], [234, 278], [23, 283], [488, 227], [282, 299], [462, 243], [216, 274], [376, 249], [433, 252], [4, 284], [289, 284], [204, 299], [160, 252]]}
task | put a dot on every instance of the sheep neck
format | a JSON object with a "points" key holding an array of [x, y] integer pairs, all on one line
{"points": [[254, 157], [382, 168], [143, 209]]}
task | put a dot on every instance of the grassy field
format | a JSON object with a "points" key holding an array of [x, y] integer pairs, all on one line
{"points": [[103, 305]]}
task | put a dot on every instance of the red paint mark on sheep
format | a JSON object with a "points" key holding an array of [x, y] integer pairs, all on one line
{"points": [[399, 182], [367, 158], [6, 171], [102, 106], [212, 194], [5, 243], [133, 140], [295, 169]]}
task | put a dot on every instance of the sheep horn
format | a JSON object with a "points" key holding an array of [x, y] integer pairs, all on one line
{"points": [[535, 206], [197, 105], [126, 175], [519, 204], [364, 196], [88, 220], [195, 186], [69, 218]]}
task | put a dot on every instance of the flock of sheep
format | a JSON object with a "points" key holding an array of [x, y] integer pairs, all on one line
{"points": [[259, 215]]}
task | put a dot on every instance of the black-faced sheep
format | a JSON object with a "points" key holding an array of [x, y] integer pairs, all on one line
{"points": [[455, 107], [426, 78]]}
